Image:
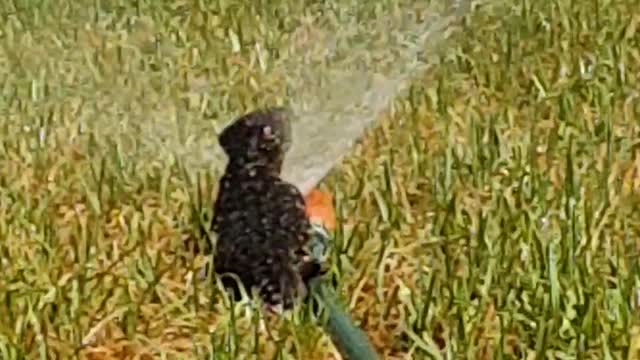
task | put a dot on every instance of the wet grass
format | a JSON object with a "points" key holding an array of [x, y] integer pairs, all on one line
{"points": [[493, 214]]}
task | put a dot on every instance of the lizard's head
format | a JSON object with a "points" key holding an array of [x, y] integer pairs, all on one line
{"points": [[260, 138]]}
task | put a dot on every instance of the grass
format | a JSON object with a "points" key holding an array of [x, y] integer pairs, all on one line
{"points": [[493, 214]]}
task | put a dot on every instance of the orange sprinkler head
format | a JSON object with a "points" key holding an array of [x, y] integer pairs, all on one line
{"points": [[320, 209]]}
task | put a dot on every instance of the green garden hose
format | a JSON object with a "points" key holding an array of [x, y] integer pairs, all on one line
{"points": [[348, 338]]}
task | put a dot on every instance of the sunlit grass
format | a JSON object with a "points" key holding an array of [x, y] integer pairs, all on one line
{"points": [[492, 214]]}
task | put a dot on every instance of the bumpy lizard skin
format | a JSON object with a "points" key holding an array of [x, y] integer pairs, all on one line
{"points": [[263, 232]]}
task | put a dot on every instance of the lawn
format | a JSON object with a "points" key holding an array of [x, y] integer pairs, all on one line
{"points": [[493, 213]]}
